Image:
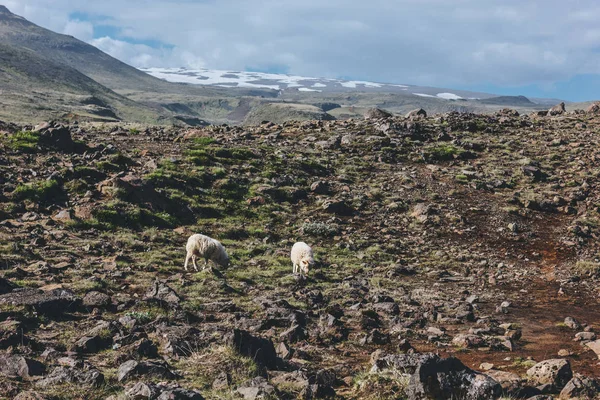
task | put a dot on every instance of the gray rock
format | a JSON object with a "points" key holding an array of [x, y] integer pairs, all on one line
{"points": [[162, 293], [585, 336], [595, 346], [96, 299], [151, 391], [376, 113], [580, 387], [338, 207], [16, 366], [448, 378], [259, 349], [6, 286], [91, 344], [556, 372], [257, 388], [572, 323], [90, 377], [133, 369], [31, 395], [53, 302], [419, 112], [142, 391], [557, 109]]}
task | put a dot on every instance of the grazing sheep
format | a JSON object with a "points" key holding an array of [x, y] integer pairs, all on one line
{"points": [[206, 247], [302, 258]]}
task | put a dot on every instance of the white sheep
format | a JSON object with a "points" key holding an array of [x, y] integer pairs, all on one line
{"points": [[208, 248], [302, 257]]}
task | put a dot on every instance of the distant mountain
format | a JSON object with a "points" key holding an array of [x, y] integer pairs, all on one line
{"points": [[509, 101], [62, 49], [44, 74]]}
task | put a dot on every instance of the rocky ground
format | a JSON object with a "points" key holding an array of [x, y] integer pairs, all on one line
{"points": [[457, 257]]}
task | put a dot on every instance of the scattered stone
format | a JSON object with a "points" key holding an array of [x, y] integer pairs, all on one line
{"points": [[572, 323], [557, 109], [135, 369], [163, 294], [53, 302], [16, 366], [31, 395], [448, 378], [419, 112], [585, 336], [376, 113], [96, 299], [486, 366], [595, 346], [259, 349], [257, 388], [580, 387], [90, 377], [556, 372]]}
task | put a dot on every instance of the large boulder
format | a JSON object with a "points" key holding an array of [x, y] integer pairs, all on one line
{"points": [[376, 113], [557, 109], [580, 387], [134, 369], [152, 391], [16, 366], [419, 112], [448, 378], [162, 293], [89, 377], [6, 286], [261, 350], [555, 372], [52, 302], [58, 137], [594, 108], [257, 388]]}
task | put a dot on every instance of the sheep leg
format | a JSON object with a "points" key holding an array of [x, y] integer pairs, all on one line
{"points": [[295, 268], [205, 264], [187, 259], [194, 262]]}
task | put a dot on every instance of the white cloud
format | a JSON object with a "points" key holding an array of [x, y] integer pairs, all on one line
{"points": [[427, 42], [81, 30]]}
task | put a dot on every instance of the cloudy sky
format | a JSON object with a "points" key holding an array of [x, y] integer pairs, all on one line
{"points": [[538, 48]]}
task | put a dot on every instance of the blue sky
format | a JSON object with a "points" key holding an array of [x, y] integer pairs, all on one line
{"points": [[536, 48]]}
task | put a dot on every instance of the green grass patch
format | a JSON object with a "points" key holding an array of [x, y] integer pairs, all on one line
{"points": [[24, 141], [41, 191]]}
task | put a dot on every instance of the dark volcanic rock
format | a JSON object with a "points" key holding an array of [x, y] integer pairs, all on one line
{"points": [[6, 286], [161, 292], [53, 302], [376, 113], [57, 137], [556, 372], [180, 339], [580, 387], [13, 366], [448, 378], [338, 207], [259, 349], [90, 377], [557, 109], [257, 388], [31, 395], [151, 391], [133, 369], [96, 299]]}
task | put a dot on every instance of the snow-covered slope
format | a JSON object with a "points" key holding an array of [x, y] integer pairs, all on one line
{"points": [[260, 80]]}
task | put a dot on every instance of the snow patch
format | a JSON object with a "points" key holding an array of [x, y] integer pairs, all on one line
{"points": [[423, 95], [448, 96], [304, 89]]}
